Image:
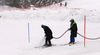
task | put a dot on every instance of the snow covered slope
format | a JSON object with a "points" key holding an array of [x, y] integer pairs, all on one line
{"points": [[14, 29]]}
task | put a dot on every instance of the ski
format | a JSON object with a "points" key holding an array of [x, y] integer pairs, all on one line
{"points": [[71, 44], [40, 47], [68, 44], [64, 44], [44, 46]]}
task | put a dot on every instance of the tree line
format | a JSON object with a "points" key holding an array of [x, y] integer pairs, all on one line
{"points": [[18, 3]]}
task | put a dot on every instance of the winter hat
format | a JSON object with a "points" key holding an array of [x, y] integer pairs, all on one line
{"points": [[43, 26], [72, 20]]}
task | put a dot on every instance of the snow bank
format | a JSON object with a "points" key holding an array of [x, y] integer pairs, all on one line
{"points": [[62, 14]]}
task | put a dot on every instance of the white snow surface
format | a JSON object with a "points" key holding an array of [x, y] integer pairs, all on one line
{"points": [[14, 29]]}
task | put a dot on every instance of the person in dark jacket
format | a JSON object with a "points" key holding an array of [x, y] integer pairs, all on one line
{"points": [[73, 28], [48, 35]]}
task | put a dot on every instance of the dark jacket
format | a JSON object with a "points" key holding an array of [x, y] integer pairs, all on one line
{"points": [[48, 32], [73, 29]]}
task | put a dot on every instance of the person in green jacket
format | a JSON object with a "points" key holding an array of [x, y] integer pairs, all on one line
{"points": [[73, 29]]}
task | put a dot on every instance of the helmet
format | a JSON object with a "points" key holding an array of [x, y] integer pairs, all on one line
{"points": [[72, 20], [42, 26]]}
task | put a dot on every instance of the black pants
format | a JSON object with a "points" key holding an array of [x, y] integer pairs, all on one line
{"points": [[48, 41]]}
